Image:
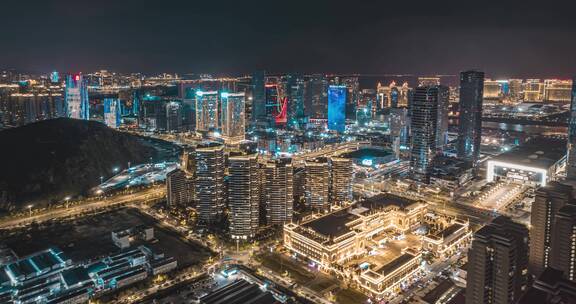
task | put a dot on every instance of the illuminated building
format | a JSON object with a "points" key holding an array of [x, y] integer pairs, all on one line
{"points": [[112, 112], [341, 180], [535, 163], [470, 128], [173, 116], [424, 129], [243, 196], [563, 253], [548, 200], [189, 161], [428, 81], [394, 96], [76, 97], [533, 90], [54, 77], [209, 182], [179, 189], [258, 98], [337, 108], [136, 104], [492, 89], [316, 97], [206, 111], [233, 117], [382, 96], [295, 94], [571, 156], [278, 191], [515, 89], [332, 240], [317, 184], [445, 242], [557, 90], [497, 263], [442, 121], [399, 124], [352, 91]]}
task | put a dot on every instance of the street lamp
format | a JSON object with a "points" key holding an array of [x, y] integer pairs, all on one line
{"points": [[66, 199], [30, 209]]}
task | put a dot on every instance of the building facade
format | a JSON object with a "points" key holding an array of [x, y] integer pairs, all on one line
{"points": [[470, 126], [209, 183], [278, 191], [233, 117], [243, 196], [424, 129], [337, 108], [76, 97], [207, 111]]}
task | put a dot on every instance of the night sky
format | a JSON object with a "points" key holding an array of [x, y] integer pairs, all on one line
{"points": [[503, 38]]}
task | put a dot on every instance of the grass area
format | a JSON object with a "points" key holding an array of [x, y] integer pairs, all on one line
{"points": [[280, 264], [350, 296]]}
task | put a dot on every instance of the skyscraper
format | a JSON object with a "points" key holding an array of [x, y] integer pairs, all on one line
{"points": [[209, 182], [295, 94], [112, 112], [233, 116], [497, 263], [206, 111], [76, 97], [424, 130], [278, 191], [470, 126], [337, 108], [442, 124], [317, 184], [178, 189], [316, 96], [258, 97], [243, 196], [341, 180], [189, 161], [548, 200], [563, 253], [173, 116], [571, 158]]}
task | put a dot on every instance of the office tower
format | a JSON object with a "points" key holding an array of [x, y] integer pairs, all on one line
{"points": [[112, 112], [258, 97], [317, 184], [173, 116], [243, 196], [571, 155], [54, 77], [442, 124], [295, 93], [188, 164], [278, 191], [209, 182], [76, 99], [178, 188], [316, 96], [550, 288], [337, 108], [233, 119], [424, 129], [352, 91], [548, 200], [206, 111], [135, 104], [428, 81], [563, 252], [340, 180], [497, 263], [470, 126]]}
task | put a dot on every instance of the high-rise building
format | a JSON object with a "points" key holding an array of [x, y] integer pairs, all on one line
{"points": [[515, 89], [352, 93], [243, 196], [492, 89], [317, 184], [550, 288], [424, 129], [548, 200], [337, 108], [54, 77], [207, 111], [173, 116], [278, 191], [399, 124], [442, 123], [470, 126], [563, 252], [189, 161], [571, 157], [295, 93], [497, 263], [76, 97], [178, 188], [112, 112], [316, 96], [209, 182], [556, 90], [533, 90], [341, 180], [233, 117], [258, 97]]}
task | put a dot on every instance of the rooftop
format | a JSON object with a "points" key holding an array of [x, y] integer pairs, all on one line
{"points": [[239, 292], [540, 152], [395, 264], [332, 225], [385, 200]]}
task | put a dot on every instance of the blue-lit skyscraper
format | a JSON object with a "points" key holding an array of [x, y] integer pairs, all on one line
{"points": [[337, 108], [135, 104], [112, 112], [206, 111], [54, 77], [76, 98], [470, 126], [232, 118], [571, 160]]}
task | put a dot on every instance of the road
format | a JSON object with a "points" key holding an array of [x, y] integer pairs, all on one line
{"points": [[138, 197]]}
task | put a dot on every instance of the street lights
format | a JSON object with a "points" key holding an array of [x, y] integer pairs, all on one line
{"points": [[30, 209], [66, 199]]}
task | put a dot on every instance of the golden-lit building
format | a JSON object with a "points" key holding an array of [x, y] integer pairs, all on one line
{"points": [[444, 242], [556, 90]]}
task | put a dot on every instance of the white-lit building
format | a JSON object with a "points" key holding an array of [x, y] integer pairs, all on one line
{"points": [[233, 117]]}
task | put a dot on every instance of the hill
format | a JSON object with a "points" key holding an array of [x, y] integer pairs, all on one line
{"points": [[52, 159]]}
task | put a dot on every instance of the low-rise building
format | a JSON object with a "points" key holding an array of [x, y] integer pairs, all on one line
{"points": [[445, 242]]}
